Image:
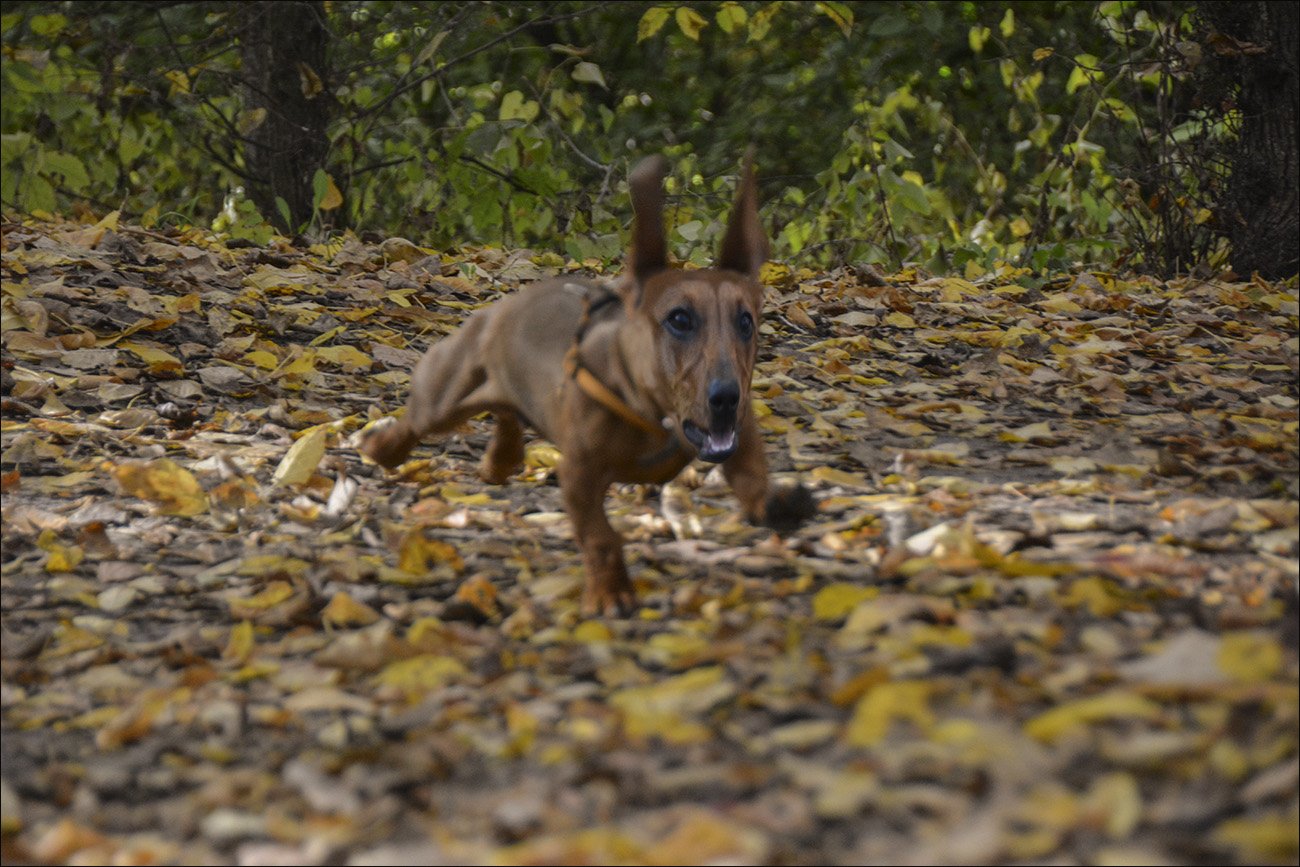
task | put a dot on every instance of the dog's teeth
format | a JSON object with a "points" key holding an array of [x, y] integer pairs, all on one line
{"points": [[721, 442]]}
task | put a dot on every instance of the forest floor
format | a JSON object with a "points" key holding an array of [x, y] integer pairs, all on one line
{"points": [[1046, 611]]}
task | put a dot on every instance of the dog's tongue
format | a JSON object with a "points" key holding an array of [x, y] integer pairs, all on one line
{"points": [[720, 442]]}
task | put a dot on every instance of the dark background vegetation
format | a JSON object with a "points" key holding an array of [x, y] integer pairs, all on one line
{"points": [[955, 136]]}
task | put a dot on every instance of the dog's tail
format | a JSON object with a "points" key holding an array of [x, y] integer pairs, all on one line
{"points": [[388, 443]]}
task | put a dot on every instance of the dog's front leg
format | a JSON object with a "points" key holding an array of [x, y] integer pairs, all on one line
{"points": [[782, 509], [608, 590], [746, 471]]}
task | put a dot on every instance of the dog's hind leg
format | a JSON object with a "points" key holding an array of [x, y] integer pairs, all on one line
{"points": [[449, 386]]}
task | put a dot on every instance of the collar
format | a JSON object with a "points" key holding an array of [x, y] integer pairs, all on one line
{"points": [[604, 395]]}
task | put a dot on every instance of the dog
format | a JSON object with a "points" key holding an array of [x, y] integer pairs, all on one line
{"points": [[631, 381]]}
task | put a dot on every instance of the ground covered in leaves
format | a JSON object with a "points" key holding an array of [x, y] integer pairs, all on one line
{"points": [[1046, 611]]}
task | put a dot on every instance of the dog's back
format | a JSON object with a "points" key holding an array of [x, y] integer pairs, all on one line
{"points": [[540, 322]]}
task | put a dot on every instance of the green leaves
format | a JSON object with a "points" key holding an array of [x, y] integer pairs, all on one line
{"points": [[690, 22], [515, 107], [438, 126], [652, 21], [589, 73], [731, 17], [840, 13], [325, 194]]}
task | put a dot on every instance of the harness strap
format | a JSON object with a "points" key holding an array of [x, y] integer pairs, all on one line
{"points": [[601, 393]]}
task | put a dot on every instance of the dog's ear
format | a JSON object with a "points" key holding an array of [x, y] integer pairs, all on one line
{"points": [[744, 247], [649, 253]]}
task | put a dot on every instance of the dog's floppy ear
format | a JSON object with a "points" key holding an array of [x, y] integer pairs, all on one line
{"points": [[744, 247], [649, 253]]}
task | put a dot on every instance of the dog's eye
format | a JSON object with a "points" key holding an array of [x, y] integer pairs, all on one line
{"points": [[745, 325], [680, 322]]}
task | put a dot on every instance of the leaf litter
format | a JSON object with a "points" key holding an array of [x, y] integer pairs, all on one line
{"points": [[1046, 611]]}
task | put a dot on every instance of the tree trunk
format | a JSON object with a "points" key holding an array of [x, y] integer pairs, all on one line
{"points": [[1254, 50], [285, 73]]}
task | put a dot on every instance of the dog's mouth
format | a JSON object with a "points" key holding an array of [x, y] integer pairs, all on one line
{"points": [[713, 446]]}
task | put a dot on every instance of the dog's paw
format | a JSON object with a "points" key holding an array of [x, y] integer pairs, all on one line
{"points": [[386, 442], [787, 507], [614, 599]]}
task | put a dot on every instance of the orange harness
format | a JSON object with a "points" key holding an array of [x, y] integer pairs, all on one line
{"points": [[604, 395]]}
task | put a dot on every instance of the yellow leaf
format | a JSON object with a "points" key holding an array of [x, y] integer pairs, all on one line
{"points": [[454, 494], [761, 22], [249, 120], [63, 558], [1101, 597], [1050, 725], [274, 593], [332, 198], [179, 80], [300, 462], [774, 273], [522, 726], [240, 644], [347, 357], [267, 565], [479, 591], [1058, 304], [898, 319], [1248, 657], [832, 476], [309, 82], [1117, 799], [1093, 346], [343, 610], [301, 367], [540, 455], [651, 22], [1030, 432], [731, 17], [837, 600], [665, 708], [418, 554], [421, 674], [69, 639], [707, 837], [262, 359], [110, 221], [255, 671], [955, 290], [426, 633], [676, 650], [690, 22], [1068, 465], [1264, 838], [172, 487], [592, 632], [156, 358], [877, 710]]}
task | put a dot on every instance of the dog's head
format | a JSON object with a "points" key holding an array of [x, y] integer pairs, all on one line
{"points": [[694, 334]]}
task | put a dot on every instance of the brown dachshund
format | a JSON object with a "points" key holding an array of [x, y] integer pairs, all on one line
{"points": [[630, 382]]}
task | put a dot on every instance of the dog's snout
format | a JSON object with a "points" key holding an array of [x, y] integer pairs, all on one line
{"points": [[724, 397]]}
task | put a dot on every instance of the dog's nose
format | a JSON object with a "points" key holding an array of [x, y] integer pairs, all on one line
{"points": [[724, 397]]}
